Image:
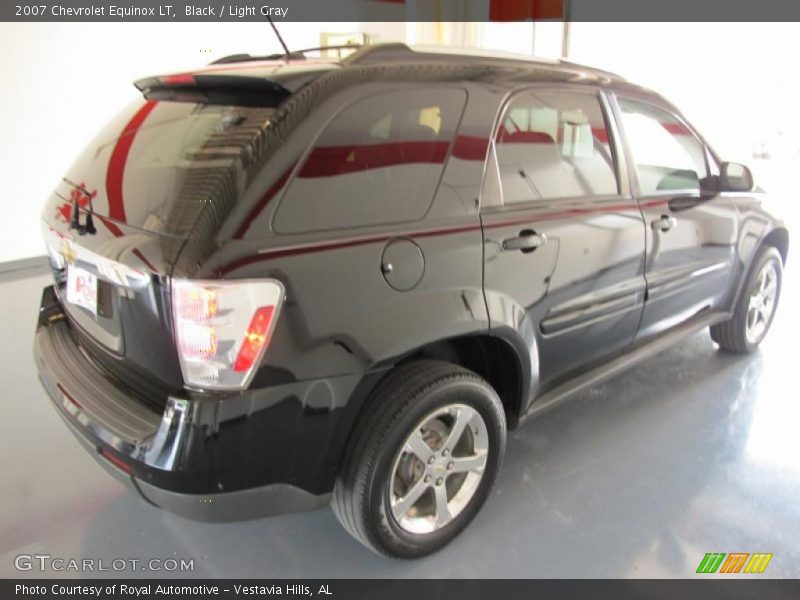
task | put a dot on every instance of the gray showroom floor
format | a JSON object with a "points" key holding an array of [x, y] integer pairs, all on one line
{"points": [[694, 451]]}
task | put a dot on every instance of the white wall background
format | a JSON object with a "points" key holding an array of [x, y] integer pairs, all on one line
{"points": [[59, 83], [62, 82], [736, 82]]}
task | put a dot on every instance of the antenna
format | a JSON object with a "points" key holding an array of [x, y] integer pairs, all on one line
{"points": [[280, 39]]}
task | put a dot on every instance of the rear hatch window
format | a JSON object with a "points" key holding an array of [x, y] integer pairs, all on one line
{"points": [[160, 164]]}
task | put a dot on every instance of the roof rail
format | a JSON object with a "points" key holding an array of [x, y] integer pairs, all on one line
{"points": [[574, 65], [399, 51], [294, 55], [380, 52]]}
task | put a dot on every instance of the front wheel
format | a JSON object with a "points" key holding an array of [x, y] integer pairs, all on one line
{"points": [[423, 459], [756, 306]]}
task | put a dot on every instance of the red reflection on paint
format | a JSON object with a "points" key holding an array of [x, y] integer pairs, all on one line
{"points": [[119, 157], [538, 137], [470, 148], [676, 128], [79, 194], [262, 202], [524, 137], [329, 161]]}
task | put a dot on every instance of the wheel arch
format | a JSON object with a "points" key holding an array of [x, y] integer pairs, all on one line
{"points": [[778, 238], [491, 357]]}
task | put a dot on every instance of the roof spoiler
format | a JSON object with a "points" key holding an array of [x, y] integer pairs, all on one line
{"points": [[213, 89]]}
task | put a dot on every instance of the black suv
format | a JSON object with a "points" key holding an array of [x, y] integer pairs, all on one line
{"points": [[286, 283]]}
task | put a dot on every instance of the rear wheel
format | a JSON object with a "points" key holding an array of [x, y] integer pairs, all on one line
{"points": [[756, 306], [423, 459]]}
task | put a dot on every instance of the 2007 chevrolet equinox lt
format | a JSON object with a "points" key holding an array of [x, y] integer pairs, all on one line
{"points": [[284, 283]]}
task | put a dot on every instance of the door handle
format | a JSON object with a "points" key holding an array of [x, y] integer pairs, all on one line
{"points": [[527, 241], [664, 223]]}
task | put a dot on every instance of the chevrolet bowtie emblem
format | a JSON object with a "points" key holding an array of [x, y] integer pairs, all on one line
{"points": [[68, 252]]}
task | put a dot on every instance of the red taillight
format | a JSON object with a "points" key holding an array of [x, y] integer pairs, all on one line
{"points": [[255, 339], [223, 328], [181, 79]]}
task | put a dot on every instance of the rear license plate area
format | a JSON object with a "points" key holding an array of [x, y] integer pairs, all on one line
{"points": [[82, 288]]}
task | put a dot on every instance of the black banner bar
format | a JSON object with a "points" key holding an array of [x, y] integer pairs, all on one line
{"points": [[397, 10]]}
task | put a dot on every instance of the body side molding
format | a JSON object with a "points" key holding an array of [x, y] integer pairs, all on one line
{"points": [[622, 363]]}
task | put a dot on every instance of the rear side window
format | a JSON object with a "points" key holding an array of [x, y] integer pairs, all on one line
{"points": [[379, 161], [554, 144], [667, 155]]}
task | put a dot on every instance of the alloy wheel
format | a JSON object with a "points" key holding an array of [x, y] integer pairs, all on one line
{"points": [[762, 303], [438, 469]]}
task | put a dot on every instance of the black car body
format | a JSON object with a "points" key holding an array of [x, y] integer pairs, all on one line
{"points": [[492, 213]]}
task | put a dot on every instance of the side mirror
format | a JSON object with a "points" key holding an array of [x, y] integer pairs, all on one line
{"points": [[735, 178]]}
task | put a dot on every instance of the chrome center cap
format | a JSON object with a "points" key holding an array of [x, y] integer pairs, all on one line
{"points": [[439, 466]]}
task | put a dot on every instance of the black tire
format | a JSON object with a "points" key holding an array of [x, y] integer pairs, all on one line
{"points": [[405, 397], [732, 334]]}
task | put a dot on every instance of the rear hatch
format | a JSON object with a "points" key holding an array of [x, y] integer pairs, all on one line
{"points": [[167, 169]]}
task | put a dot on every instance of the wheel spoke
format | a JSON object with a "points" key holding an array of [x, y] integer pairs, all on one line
{"points": [[442, 509], [474, 463], [400, 506], [416, 445], [463, 417], [770, 290], [422, 497], [752, 317]]}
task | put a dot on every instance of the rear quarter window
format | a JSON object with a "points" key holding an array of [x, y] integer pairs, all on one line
{"points": [[379, 161]]}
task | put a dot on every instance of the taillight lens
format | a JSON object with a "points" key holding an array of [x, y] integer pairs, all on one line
{"points": [[256, 338], [223, 329], [195, 303]]}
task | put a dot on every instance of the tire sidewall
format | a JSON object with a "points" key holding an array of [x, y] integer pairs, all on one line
{"points": [[471, 392]]}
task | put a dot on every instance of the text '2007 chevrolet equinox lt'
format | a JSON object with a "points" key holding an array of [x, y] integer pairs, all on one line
{"points": [[281, 284]]}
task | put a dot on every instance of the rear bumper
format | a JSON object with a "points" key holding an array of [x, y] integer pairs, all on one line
{"points": [[252, 503], [190, 459]]}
